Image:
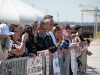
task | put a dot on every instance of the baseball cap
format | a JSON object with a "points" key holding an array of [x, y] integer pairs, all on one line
{"points": [[4, 29]]}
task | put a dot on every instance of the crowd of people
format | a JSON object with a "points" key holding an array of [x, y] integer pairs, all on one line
{"points": [[21, 41]]}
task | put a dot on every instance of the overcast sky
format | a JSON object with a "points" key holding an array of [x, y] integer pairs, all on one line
{"points": [[68, 10]]}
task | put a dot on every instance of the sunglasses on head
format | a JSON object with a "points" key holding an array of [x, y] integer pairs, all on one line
{"points": [[61, 31]]}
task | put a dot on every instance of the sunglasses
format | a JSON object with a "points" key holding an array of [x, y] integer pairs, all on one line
{"points": [[17, 31], [12, 26], [44, 29]]}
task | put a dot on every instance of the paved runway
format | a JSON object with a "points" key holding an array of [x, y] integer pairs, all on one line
{"points": [[94, 60]]}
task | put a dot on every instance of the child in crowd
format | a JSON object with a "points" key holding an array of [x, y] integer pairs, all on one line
{"points": [[86, 48], [88, 44], [88, 52]]}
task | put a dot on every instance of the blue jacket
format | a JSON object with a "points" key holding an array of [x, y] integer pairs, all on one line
{"points": [[65, 44]]}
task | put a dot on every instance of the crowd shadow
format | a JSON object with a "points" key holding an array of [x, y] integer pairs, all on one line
{"points": [[92, 71]]}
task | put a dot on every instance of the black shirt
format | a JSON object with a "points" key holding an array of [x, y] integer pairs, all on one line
{"points": [[30, 47], [44, 43], [81, 38]]}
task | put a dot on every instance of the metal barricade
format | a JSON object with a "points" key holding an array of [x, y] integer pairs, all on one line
{"points": [[74, 61], [64, 66], [48, 63], [18, 66], [84, 61], [15, 66]]}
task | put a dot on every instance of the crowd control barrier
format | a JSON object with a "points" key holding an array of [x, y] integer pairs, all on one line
{"points": [[44, 64], [52, 64], [15, 66]]}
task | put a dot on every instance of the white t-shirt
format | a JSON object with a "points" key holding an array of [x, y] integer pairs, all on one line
{"points": [[74, 41], [53, 37]]}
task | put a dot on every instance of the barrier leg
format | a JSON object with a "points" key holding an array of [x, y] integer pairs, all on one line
{"points": [[13, 66], [44, 63], [84, 61], [51, 65], [68, 64], [74, 61], [61, 65]]}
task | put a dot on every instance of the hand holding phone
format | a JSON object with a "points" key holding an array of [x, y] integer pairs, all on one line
{"points": [[25, 36]]}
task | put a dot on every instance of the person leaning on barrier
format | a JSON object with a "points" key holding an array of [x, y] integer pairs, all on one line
{"points": [[29, 43], [16, 48], [4, 41], [86, 48], [79, 33], [80, 40], [88, 44], [65, 43], [68, 29], [57, 32], [43, 41], [74, 43], [48, 20]]}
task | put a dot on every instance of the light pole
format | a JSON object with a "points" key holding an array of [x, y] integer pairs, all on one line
{"points": [[95, 22], [82, 19], [92, 12], [58, 16], [46, 11]]}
